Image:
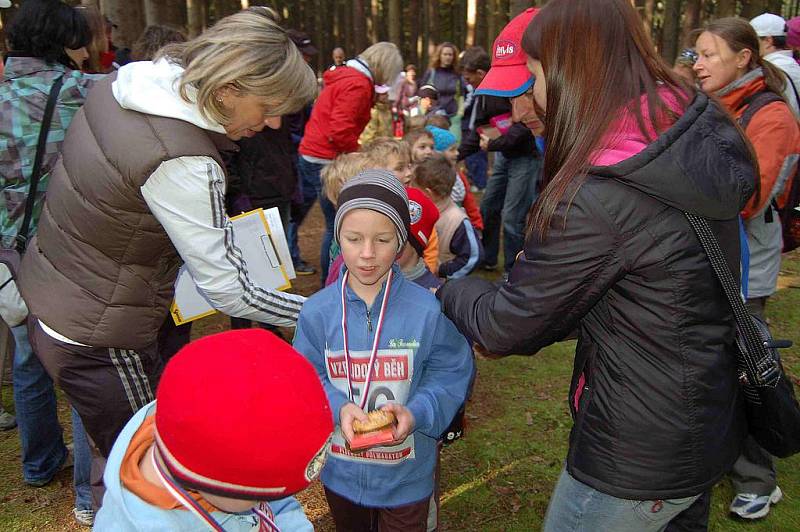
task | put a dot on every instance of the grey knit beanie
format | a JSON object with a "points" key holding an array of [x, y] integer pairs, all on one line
{"points": [[376, 190]]}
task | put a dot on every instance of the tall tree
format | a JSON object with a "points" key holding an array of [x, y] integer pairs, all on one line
{"points": [[195, 16], [128, 15], [395, 25], [413, 17], [672, 17], [518, 6], [165, 12], [725, 8], [359, 27], [691, 19]]}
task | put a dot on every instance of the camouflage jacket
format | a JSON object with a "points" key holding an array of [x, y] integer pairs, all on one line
{"points": [[23, 95]]}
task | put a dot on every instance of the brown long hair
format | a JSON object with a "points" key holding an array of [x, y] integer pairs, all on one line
{"points": [[597, 61], [99, 43], [739, 35]]}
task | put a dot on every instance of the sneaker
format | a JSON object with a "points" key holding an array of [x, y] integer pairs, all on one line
{"points": [[84, 517], [752, 506], [304, 268], [7, 421], [489, 267], [68, 462]]}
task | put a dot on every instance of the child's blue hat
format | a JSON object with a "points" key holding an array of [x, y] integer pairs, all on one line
{"points": [[442, 138]]}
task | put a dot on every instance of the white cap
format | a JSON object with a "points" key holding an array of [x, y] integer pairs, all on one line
{"points": [[5, 3], [769, 25]]}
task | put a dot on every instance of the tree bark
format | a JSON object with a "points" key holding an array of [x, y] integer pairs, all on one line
{"points": [[691, 20], [725, 8], [195, 20], [413, 16], [359, 27], [395, 23], [672, 17], [518, 6], [166, 12], [128, 15]]}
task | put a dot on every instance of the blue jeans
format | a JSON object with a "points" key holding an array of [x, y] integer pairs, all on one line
{"points": [[42, 442], [477, 165], [43, 449], [312, 189], [575, 506], [83, 464], [508, 197]]}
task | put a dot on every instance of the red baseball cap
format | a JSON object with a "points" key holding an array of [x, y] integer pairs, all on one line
{"points": [[509, 75], [424, 216]]}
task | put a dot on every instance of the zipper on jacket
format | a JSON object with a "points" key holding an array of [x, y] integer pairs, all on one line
{"points": [[369, 320]]}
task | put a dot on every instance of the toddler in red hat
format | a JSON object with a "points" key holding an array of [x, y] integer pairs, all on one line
{"points": [[240, 423], [381, 342]]}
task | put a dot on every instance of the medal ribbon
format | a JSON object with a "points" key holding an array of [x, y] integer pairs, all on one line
{"points": [[264, 512], [373, 356]]}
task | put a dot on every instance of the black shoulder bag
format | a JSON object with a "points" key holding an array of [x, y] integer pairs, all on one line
{"points": [[12, 308], [773, 414]]}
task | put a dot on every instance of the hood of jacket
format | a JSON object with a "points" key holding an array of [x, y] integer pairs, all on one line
{"points": [[700, 165], [353, 71], [152, 88]]}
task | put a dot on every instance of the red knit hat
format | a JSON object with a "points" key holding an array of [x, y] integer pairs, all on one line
{"points": [[424, 215], [243, 415], [509, 75]]}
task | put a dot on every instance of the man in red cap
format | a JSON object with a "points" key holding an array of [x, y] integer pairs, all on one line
{"points": [[240, 418], [501, 103]]}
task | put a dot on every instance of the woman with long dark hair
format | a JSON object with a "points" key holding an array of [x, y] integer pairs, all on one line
{"points": [[443, 74], [610, 254]]}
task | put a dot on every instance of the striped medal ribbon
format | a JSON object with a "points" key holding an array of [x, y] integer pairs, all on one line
{"points": [[264, 512], [374, 354]]}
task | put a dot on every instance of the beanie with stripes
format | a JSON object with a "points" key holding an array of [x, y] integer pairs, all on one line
{"points": [[379, 191]]}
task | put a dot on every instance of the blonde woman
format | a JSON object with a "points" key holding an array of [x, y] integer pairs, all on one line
{"points": [[340, 115], [140, 188], [99, 43]]}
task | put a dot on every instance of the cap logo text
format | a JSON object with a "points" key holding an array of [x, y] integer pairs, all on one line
{"points": [[504, 50]]}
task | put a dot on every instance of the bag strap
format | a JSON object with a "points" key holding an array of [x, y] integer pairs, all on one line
{"points": [[754, 104], [47, 118], [760, 367]]}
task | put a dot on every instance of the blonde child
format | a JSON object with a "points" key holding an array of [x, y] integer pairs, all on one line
{"points": [[367, 335]]}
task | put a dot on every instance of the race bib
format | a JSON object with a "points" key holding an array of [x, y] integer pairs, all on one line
{"points": [[390, 383]]}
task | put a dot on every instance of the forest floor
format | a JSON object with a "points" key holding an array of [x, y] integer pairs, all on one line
{"points": [[499, 476]]}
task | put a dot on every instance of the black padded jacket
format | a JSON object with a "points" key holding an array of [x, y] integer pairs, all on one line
{"points": [[659, 415]]}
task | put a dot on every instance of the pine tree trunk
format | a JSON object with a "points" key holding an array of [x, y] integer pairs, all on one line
{"points": [[128, 15], [195, 22], [518, 6], [167, 12], [359, 27], [691, 20], [413, 33], [672, 17], [395, 23], [725, 8]]}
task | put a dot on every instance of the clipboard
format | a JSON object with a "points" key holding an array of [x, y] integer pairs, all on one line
{"points": [[264, 250]]}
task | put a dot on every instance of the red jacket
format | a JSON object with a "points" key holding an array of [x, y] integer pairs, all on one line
{"points": [[340, 114]]}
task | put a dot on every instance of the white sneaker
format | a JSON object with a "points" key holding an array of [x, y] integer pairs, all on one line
{"points": [[752, 506], [84, 517]]}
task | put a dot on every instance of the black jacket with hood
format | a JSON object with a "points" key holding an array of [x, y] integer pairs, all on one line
{"points": [[659, 416]]}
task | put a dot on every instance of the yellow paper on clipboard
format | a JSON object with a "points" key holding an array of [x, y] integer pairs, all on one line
{"points": [[264, 251]]}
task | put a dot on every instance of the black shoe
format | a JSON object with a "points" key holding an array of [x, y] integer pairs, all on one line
{"points": [[304, 268], [489, 267]]}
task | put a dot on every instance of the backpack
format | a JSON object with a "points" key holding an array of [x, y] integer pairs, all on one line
{"points": [[790, 213]]}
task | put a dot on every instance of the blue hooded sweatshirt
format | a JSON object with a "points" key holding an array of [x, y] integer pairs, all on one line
{"points": [[124, 511], [422, 362]]}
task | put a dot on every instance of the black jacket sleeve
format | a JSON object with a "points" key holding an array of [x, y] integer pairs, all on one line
{"points": [[552, 285], [517, 139]]}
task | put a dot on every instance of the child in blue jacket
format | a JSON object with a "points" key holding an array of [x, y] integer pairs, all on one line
{"points": [[379, 341]]}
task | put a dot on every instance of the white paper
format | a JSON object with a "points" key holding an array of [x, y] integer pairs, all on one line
{"points": [[265, 252]]}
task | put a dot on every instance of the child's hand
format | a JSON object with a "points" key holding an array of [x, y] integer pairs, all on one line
{"points": [[405, 422], [349, 413]]}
